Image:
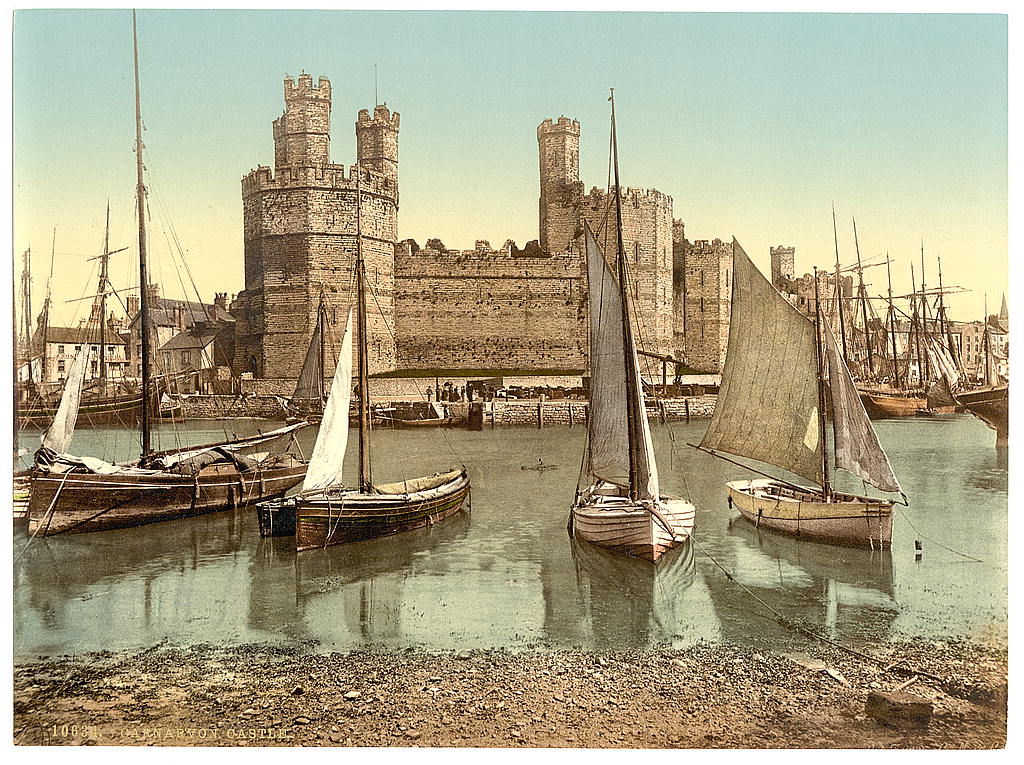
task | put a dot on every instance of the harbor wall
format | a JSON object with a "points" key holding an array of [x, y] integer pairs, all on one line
{"points": [[525, 413]]}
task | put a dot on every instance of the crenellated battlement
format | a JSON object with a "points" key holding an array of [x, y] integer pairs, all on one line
{"points": [[264, 178], [382, 117], [598, 198], [482, 252], [563, 125], [304, 89]]}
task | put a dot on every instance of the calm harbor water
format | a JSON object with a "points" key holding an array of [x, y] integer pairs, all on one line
{"points": [[506, 574]]}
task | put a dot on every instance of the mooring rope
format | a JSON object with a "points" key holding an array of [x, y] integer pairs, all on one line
{"points": [[789, 624]]}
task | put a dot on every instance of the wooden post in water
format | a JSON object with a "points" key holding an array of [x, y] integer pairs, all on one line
{"points": [[540, 414]]}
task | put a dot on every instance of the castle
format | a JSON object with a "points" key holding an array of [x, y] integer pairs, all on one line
{"points": [[506, 309]]}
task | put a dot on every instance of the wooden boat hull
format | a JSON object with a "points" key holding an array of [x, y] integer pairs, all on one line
{"points": [[850, 521], [881, 406], [991, 406], [350, 516], [22, 485], [628, 527], [83, 502]]}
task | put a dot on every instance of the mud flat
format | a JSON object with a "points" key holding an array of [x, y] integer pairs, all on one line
{"points": [[706, 696]]}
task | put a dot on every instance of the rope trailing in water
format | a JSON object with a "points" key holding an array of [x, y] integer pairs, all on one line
{"points": [[950, 549], [808, 632]]}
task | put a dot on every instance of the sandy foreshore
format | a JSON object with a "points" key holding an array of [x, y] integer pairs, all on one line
{"points": [[705, 696]]}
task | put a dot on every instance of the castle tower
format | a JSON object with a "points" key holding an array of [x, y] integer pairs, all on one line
{"points": [[302, 135], [560, 186], [300, 237], [377, 141], [782, 263]]}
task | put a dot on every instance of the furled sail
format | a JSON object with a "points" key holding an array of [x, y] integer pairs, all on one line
{"points": [[608, 436], [767, 406], [325, 464], [308, 386], [58, 436], [856, 445]]}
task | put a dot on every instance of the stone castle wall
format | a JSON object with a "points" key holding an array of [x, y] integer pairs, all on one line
{"points": [[487, 309]]}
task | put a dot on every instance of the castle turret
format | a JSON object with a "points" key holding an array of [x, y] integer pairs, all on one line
{"points": [[560, 186], [377, 141], [302, 135], [782, 263]]}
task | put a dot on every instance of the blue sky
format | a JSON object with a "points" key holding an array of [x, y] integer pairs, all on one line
{"points": [[753, 123]]}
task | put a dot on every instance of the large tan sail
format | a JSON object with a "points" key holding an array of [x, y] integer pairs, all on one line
{"points": [[608, 437], [767, 407], [856, 445]]}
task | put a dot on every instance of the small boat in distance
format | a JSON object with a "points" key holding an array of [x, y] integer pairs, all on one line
{"points": [[623, 509], [307, 401], [771, 408], [324, 512]]}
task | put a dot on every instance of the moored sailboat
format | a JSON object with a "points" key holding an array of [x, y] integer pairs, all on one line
{"points": [[324, 512], [771, 408], [71, 494], [622, 509]]}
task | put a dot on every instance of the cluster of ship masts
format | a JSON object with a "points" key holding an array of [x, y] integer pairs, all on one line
{"points": [[876, 348]]}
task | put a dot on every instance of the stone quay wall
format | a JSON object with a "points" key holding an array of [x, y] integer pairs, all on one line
{"points": [[525, 413]]}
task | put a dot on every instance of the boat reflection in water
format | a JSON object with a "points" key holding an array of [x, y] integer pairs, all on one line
{"points": [[354, 593], [627, 602], [846, 590]]}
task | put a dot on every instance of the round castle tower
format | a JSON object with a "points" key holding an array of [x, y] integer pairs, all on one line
{"points": [[300, 236]]}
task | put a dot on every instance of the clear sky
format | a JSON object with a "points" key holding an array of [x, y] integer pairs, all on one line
{"points": [[754, 123]]}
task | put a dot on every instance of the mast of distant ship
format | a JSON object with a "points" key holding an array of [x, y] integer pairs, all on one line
{"points": [[820, 363], [863, 302], [839, 288]]}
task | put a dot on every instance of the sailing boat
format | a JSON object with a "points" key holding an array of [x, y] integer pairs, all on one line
{"points": [[307, 401], [771, 408], [324, 512], [623, 509], [71, 494]]}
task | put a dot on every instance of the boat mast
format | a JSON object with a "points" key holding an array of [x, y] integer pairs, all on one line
{"points": [[915, 327], [985, 345], [892, 325], [46, 309], [632, 395], [863, 302], [946, 325], [820, 363], [140, 193], [26, 306], [365, 484], [104, 260], [321, 318], [839, 288]]}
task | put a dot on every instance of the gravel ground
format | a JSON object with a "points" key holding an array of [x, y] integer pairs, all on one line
{"points": [[706, 696]]}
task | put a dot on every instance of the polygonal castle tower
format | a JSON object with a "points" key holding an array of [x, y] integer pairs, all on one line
{"points": [[783, 263], [646, 229], [300, 230]]}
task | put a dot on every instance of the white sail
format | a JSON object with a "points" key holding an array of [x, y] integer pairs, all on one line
{"points": [[608, 436], [58, 436], [325, 464], [767, 406], [856, 445]]}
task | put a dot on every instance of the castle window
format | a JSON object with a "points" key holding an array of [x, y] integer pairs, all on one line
{"points": [[702, 311], [702, 279], [636, 252]]}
